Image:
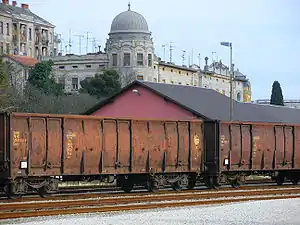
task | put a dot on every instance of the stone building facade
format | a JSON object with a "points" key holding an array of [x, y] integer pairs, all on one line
{"points": [[130, 47], [24, 33], [129, 50], [71, 69]]}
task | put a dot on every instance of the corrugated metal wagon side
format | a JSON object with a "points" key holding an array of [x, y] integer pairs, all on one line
{"points": [[43, 149], [167, 152], [245, 149]]}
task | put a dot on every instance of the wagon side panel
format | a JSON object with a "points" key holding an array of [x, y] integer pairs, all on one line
{"points": [[140, 139], [197, 146]]}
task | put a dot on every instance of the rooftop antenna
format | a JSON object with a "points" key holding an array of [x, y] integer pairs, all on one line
{"points": [[87, 42], [171, 50], [129, 6], [164, 47], [79, 36], [183, 56], [192, 56], [70, 41], [199, 58]]}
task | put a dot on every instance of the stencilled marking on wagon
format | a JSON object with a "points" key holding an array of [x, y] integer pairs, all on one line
{"points": [[17, 139], [196, 140], [223, 140], [70, 136], [255, 140]]}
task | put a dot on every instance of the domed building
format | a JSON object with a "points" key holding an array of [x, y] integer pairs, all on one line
{"points": [[130, 47]]}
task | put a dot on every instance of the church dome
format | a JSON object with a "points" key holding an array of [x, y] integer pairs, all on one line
{"points": [[129, 21]]}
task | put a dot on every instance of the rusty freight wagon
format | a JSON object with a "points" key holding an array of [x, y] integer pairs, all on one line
{"points": [[235, 150], [36, 151]]}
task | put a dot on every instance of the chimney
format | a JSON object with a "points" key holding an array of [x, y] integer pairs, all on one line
{"points": [[24, 6], [14, 3], [5, 2]]}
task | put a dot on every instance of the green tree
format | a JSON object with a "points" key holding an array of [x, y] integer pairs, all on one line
{"points": [[3, 85], [276, 97], [102, 85], [42, 77]]}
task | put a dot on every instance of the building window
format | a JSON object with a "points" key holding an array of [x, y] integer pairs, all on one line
{"points": [[88, 66], [179, 82], [140, 77], [238, 96], [154, 79], [7, 48], [140, 59], [61, 81], [179, 72], [30, 34], [217, 80], [171, 70], [163, 68], [223, 92], [7, 28], [1, 27], [75, 83], [114, 59], [154, 67], [75, 67], [61, 67], [172, 82], [1, 49], [150, 60], [163, 80], [126, 59], [187, 73]]}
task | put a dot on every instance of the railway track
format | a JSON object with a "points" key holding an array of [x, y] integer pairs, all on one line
{"points": [[137, 201], [94, 192]]}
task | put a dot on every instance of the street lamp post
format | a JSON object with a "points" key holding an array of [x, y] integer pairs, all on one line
{"points": [[229, 44]]}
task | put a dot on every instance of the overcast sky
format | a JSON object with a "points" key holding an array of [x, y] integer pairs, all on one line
{"points": [[265, 33]]}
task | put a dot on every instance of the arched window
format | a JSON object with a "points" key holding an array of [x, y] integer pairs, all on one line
{"points": [[238, 96]]}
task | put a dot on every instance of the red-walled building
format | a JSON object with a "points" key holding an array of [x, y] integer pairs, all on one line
{"points": [[151, 100], [158, 101]]}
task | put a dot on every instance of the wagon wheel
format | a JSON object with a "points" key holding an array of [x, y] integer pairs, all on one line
{"points": [[44, 192], [279, 179], [9, 193], [127, 187], [152, 184], [295, 180], [235, 183], [176, 186], [191, 183]]}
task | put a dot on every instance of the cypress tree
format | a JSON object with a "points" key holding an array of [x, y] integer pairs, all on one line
{"points": [[276, 97]]}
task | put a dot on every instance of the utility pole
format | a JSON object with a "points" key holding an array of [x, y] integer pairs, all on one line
{"points": [[87, 42], [229, 44], [183, 56], [79, 36], [171, 50]]}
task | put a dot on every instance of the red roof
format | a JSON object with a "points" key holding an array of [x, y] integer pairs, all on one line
{"points": [[24, 60]]}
